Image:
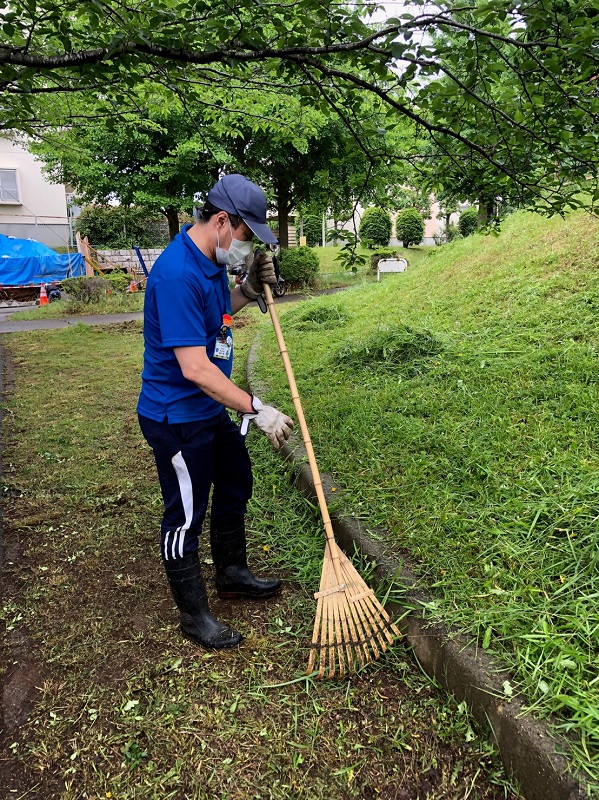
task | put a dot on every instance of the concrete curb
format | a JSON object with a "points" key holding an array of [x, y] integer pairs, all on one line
{"points": [[529, 751]]}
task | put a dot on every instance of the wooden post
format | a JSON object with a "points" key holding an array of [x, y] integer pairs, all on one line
{"points": [[83, 248]]}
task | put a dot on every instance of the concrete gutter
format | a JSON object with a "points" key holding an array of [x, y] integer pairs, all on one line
{"points": [[531, 754]]}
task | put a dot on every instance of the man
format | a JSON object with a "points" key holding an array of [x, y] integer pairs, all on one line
{"points": [[186, 389]]}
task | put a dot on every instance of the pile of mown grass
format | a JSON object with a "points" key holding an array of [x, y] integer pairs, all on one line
{"points": [[482, 457]]}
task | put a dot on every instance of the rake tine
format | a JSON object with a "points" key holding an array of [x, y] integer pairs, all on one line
{"points": [[339, 637], [324, 630], [317, 624], [331, 636], [372, 608], [314, 644], [355, 588], [384, 623], [368, 640], [362, 634]]}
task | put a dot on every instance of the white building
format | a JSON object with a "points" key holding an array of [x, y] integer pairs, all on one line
{"points": [[30, 206]]}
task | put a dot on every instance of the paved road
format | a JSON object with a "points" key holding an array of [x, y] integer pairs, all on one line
{"points": [[14, 326]]}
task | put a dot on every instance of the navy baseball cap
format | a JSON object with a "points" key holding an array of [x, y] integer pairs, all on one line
{"points": [[236, 194]]}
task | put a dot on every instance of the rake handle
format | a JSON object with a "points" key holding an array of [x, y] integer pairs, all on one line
{"points": [[328, 527]]}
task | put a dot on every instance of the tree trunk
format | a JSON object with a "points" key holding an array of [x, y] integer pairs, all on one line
{"points": [[283, 208], [172, 216], [486, 210]]}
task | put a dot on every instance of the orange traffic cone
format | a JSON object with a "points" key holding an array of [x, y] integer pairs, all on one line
{"points": [[43, 296]]}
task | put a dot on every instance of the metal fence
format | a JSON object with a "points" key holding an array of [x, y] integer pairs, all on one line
{"points": [[53, 231]]}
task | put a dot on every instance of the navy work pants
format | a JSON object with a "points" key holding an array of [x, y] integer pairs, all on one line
{"points": [[192, 457]]}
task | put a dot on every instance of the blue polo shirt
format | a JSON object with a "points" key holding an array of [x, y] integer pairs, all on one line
{"points": [[186, 297]]}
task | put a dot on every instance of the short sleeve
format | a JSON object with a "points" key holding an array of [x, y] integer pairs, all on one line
{"points": [[181, 313]]}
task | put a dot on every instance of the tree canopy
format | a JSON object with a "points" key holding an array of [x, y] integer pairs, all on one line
{"points": [[161, 158], [510, 86], [157, 161]]}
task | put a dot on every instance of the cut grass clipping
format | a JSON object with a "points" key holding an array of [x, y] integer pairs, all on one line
{"points": [[128, 709], [456, 406]]}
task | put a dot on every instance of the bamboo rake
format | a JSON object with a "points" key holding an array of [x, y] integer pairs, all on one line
{"points": [[351, 627]]}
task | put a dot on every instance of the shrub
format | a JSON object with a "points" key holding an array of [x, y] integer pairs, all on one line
{"points": [[468, 221], [85, 290], [375, 227], [299, 265], [376, 257], [312, 225], [409, 226], [443, 238], [454, 232], [119, 280]]}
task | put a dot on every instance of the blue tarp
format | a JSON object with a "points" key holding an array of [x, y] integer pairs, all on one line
{"points": [[24, 262]]}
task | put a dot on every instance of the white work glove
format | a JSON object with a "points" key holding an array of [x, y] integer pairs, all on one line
{"points": [[276, 425], [260, 270]]}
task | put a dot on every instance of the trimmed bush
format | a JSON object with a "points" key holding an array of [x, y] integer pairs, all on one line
{"points": [[299, 265], [409, 226], [468, 221], [454, 232], [312, 224], [375, 227], [85, 290], [119, 281]]}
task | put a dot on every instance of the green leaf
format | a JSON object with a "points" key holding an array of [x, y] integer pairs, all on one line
{"points": [[487, 637]]}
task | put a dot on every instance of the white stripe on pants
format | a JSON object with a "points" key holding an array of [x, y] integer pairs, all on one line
{"points": [[186, 490]]}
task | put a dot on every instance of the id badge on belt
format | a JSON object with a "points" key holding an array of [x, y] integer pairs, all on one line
{"points": [[224, 340]]}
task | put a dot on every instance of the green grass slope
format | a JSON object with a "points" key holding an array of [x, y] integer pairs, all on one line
{"points": [[456, 405]]}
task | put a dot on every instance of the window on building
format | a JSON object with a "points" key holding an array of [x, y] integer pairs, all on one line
{"points": [[9, 186]]}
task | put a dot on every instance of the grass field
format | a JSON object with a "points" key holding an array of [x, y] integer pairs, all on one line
{"points": [[120, 706], [456, 406], [122, 303]]}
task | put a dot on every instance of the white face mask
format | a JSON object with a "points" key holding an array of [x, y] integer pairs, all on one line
{"points": [[238, 251]]}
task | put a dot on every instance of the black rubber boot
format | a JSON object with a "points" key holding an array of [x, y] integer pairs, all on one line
{"points": [[233, 578], [197, 623]]}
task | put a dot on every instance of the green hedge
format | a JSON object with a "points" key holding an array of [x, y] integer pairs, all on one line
{"points": [[409, 226], [299, 265], [468, 222], [376, 227], [312, 226], [86, 290]]}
